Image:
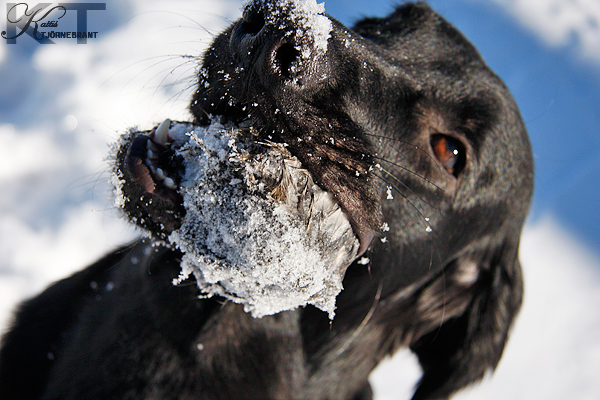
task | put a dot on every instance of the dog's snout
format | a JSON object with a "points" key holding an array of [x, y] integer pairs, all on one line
{"points": [[266, 44], [276, 41]]}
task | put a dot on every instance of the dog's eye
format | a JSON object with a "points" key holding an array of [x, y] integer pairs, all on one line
{"points": [[450, 152]]}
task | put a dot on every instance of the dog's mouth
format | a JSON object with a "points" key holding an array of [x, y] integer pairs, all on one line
{"points": [[154, 169], [252, 224], [155, 176]]}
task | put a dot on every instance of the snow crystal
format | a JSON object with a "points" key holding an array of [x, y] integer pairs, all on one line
{"points": [[257, 229], [363, 261], [311, 20], [390, 196]]}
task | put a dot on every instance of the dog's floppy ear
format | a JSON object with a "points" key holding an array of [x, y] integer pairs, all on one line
{"points": [[465, 346]]}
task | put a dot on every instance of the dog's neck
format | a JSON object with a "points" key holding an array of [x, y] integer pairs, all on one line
{"points": [[322, 356]]}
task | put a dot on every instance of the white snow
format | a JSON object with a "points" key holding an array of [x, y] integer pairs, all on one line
{"points": [[308, 16], [2, 50], [56, 215]]}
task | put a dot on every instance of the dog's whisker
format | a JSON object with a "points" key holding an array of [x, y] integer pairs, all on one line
{"points": [[175, 97], [201, 28], [129, 66], [410, 171], [164, 57], [409, 144], [170, 70], [400, 141], [397, 190], [196, 24], [397, 140], [433, 238], [363, 323], [176, 80], [186, 59]]}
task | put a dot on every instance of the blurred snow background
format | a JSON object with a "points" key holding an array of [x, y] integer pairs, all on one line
{"points": [[62, 104]]}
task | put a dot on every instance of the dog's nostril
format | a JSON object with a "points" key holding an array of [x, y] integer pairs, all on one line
{"points": [[286, 58], [253, 22]]}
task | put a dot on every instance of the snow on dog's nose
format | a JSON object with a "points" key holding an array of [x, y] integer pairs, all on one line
{"points": [[285, 41]]}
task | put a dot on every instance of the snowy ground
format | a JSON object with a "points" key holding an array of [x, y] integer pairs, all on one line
{"points": [[62, 104]]}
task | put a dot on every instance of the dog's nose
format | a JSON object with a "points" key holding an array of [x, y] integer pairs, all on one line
{"points": [[282, 42], [253, 19]]}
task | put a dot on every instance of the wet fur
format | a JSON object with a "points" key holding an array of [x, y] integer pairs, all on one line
{"points": [[444, 280]]}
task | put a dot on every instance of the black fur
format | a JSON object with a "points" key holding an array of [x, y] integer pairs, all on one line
{"points": [[364, 118]]}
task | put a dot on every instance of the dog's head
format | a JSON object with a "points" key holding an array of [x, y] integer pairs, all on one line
{"points": [[419, 142], [399, 118]]}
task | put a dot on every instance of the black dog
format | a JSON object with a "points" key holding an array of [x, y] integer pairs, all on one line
{"points": [[404, 124]]}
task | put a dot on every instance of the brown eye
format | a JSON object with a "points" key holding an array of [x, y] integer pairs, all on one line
{"points": [[450, 152]]}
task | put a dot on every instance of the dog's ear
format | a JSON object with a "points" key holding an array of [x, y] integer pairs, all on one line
{"points": [[469, 343]]}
